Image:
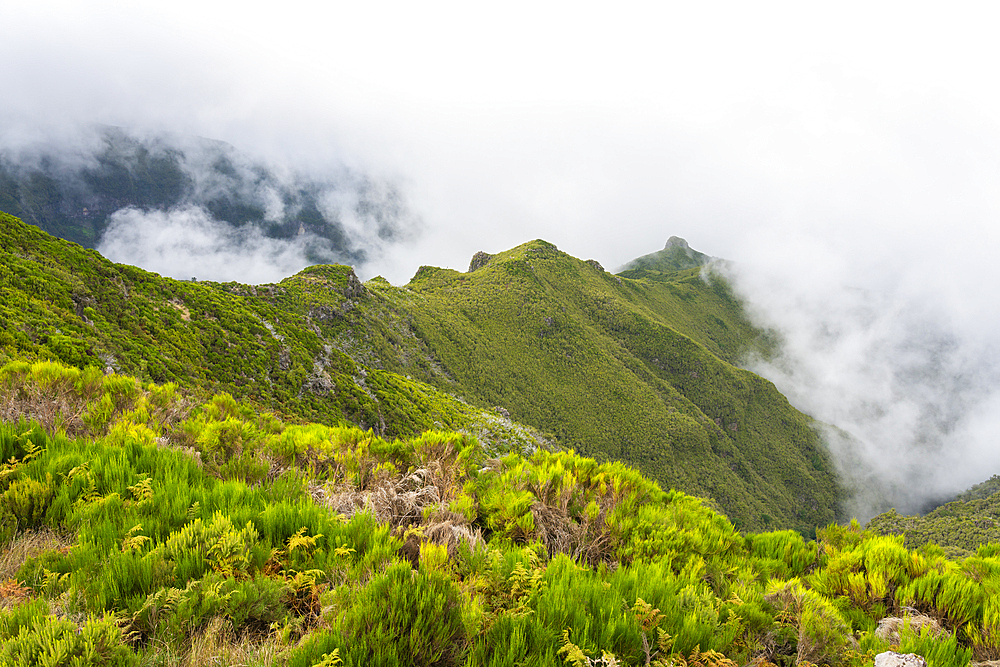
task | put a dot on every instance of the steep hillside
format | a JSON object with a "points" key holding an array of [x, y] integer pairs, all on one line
{"points": [[61, 301], [74, 191], [636, 370], [631, 369], [676, 255], [959, 526]]}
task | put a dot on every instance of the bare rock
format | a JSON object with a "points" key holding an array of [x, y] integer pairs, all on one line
{"points": [[594, 263], [893, 659], [354, 288], [479, 260]]}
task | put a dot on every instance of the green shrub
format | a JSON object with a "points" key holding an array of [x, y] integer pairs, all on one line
{"points": [[400, 617], [51, 642]]}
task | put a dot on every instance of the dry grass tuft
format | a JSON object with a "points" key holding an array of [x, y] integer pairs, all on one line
{"points": [[586, 541], [30, 544], [54, 410], [217, 645], [450, 530], [889, 627], [12, 593], [399, 503]]}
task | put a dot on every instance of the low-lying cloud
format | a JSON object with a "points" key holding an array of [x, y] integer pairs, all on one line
{"points": [[188, 243], [907, 390]]}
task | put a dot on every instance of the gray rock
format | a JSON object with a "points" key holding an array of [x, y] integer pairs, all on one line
{"points": [[893, 659], [354, 288], [479, 260]]}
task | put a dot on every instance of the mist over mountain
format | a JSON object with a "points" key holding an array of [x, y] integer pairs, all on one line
{"points": [[908, 387], [185, 206]]}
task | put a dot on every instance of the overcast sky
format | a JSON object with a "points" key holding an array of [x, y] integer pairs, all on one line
{"points": [[825, 148]]}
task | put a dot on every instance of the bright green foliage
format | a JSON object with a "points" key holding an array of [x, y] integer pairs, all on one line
{"points": [[960, 526], [636, 369], [821, 631], [61, 302], [31, 637], [582, 561], [185, 514]]}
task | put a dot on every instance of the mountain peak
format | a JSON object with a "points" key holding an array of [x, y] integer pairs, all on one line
{"points": [[676, 242], [676, 255]]}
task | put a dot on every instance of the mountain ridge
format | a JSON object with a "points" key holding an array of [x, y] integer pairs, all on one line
{"points": [[505, 338]]}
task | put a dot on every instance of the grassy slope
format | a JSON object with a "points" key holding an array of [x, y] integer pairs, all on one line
{"points": [[171, 533], [631, 370], [61, 301]]}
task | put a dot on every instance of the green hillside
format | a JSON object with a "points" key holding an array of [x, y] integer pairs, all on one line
{"points": [[676, 255], [635, 370], [64, 302], [142, 526], [198, 474], [959, 526], [632, 369]]}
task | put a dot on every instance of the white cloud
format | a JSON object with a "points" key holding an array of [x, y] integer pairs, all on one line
{"points": [[188, 243]]}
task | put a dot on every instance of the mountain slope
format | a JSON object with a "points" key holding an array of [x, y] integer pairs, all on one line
{"points": [[637, 370], [594, 359], [75, 191], [61, 301], [960, 526], [141, 527]]}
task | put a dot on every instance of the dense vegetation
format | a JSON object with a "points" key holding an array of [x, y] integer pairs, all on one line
{"points": [[140, 526], [959, 526], [638, 370], [63, 302]]}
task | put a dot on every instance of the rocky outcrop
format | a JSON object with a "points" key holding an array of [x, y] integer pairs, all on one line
{"points": [[479, 260], [354, 288]]}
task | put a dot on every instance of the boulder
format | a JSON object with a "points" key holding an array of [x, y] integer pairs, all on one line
{"points": [[893, 659]]}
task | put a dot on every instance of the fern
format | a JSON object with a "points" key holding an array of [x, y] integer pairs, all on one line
{"points": [[134, 542]]}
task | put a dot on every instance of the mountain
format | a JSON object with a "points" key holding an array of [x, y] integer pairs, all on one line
{"points": [[676, 255], [74, 193], [636, 370], [327, 514], [959, 526]]}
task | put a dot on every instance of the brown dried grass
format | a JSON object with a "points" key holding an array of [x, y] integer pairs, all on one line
{"points": [[59, 407], [399, 503], [889, 627], [217, 645], [584, 541], [29, 544], [450, 529]]}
